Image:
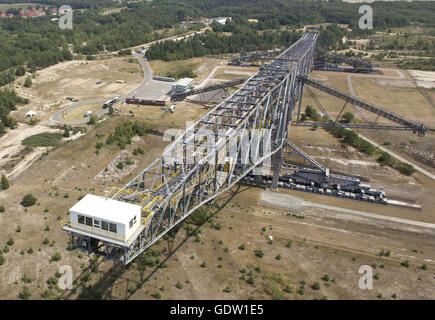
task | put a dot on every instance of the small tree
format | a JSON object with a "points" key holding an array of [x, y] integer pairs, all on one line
{"points": [[20, 71], [66, 131], [28, 82], [25, 294], [56, 256], [348, 117], [311, 112], [4, 182], [259, 253], [92, 120], [28, 200], [316, 286]]}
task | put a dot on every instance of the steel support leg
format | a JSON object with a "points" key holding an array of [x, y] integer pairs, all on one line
{"points": [[276, 168]]}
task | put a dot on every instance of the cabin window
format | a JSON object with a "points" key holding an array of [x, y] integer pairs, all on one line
{"points": [[104, 225], [96, 223], [134, 220], [131, 223], [89, 221], [81, 219], [112, 227]]}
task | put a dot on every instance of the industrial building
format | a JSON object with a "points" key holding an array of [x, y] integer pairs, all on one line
{"points": [[182, 85]]}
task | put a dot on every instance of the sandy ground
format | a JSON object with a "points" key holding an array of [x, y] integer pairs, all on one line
{"points": [[424, 79], [10, 146], [392, 91], [47, 95], [77, 79]]}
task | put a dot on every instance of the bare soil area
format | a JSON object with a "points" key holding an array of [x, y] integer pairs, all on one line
{"points": [[80, 80]]}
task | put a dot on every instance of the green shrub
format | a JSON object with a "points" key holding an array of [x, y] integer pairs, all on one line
{"points": [[385, 159], [259, 253], [316, 286], [312, 113], [46, 139], [198, 217], [28, 200], [125, 131], [92, 120], [250, 281], [26, 279], [405, 168], [4, 182], [348, 117], [52, 281], [385, 253], [56, 256], [25, 294], [28, 82], [156, 295]]}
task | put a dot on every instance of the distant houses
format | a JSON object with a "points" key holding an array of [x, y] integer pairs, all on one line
{"points": [[31, 13]]}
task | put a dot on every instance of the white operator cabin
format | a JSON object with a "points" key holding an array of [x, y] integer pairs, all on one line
{"points": [[105, 219]]}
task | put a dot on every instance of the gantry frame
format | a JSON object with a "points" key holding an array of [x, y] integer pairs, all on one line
{"points": [[195, 169], [173, 186]]}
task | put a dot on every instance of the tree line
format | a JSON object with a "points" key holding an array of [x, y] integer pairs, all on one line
{"points": [[8, 101], [38, 42], [211, 43]]}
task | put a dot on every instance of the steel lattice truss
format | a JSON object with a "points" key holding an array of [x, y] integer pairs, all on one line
{"points": [[403, 123], [213, 87], [357, 64], [173, 186]]}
